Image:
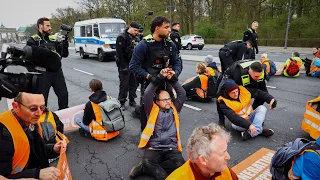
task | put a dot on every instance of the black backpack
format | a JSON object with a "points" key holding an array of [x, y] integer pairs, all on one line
{"points": [[212, 87], [282, 160]]}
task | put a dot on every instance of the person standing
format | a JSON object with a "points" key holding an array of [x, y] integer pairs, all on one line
{"points": [[251, 35]]}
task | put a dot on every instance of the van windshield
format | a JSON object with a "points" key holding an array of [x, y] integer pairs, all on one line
{"points": [[111, 29]]}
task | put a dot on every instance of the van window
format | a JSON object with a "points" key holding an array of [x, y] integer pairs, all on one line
{"points": [[111, 29], [95, 30], [88, 31], [83, 31], [77, 31]]}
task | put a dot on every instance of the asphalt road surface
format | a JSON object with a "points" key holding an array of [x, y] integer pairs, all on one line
{"points": [[113, 160]]}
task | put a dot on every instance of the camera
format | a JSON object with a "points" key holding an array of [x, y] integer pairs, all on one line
{"points": [[12, 83], [60, 36]]}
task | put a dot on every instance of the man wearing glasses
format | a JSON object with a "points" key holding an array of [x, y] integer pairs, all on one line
{"points": [[22, 151], [161, 138]]}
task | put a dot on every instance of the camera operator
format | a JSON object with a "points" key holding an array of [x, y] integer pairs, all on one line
{"points": [[55, 79]]}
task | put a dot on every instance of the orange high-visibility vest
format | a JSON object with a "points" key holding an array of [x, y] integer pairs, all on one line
{"points": [[242, 108], [211, 71], [148, 130], [185, 172], [59, 135], [314, 68], [97, 130], [20, 141], [311, 120], [266, 61], [202, 92]]}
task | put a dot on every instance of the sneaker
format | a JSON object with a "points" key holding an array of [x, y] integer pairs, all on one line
{"points": [[267, 132], [136, 170], [132, 103], [245, 135], [83, 133]]}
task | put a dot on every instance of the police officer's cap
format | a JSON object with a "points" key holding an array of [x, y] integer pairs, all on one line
{"points": [[134, 24]]}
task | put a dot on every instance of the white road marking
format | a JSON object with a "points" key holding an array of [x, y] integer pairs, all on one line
{"points": [[74, 55], [83, 71], [272, 87], [185, 105]]}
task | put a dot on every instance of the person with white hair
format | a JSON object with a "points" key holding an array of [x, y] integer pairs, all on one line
{"points": [[208, 156], [268, 66], [212, 67]]}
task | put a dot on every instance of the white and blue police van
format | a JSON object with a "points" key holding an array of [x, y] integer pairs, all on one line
{"points": [[98, 37]]}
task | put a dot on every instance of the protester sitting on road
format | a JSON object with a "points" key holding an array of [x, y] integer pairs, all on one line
{"points": [[196, 87], [208, 156], [314, 70], [235, 103], [291, 67], [92, 118], [161, 137], [212, 68], [23, 153], [268, 66]]}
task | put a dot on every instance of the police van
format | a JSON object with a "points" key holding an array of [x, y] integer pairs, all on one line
{"points": [[98, 37]]}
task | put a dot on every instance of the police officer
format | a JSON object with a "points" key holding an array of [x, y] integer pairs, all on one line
{"points": [[175, 37], [249, 74], [125, 44], [232, 52], [55, 79], [152, 54], [251, 35]]}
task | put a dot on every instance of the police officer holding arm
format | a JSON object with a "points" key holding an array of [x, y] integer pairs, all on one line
{"points": [[125, 44], [55, 79]]}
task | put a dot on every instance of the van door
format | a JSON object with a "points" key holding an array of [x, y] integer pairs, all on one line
{"points": [[96, 36], [89, 40]]}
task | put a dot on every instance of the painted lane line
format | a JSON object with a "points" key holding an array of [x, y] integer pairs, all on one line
{"points": [[185, 105], [272, 87], [83, 72]]}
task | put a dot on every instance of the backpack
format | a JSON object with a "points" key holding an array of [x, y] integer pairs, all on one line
{"points": [[212, 87], [112, 116], [282, 160], [273, 68], [293, 68]]}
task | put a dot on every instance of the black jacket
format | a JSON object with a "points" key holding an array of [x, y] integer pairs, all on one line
{"points": [[45, 42], [251, 35], [237, 49], [38, 159], [97, 97], [124, 49], [175, 37], [235, 118]]}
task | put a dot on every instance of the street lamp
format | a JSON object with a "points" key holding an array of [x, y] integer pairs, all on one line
{"points": [[288, 26], [170, 9]]}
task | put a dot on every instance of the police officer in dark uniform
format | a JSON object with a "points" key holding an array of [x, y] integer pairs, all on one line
{"points": [[247, 73], [152, 54], [175, 37], [232, 52], [251, 35], [54, 79], [125, 44]]}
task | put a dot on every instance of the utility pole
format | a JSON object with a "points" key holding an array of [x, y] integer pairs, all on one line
{"points": [[288, 26]]}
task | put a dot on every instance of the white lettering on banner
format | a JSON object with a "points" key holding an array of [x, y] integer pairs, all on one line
{"points": [[68, 116], [257, 167]]}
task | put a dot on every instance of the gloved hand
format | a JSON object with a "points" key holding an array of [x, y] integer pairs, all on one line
{"points": [[156, 80], [257, 51], [273, 104]]}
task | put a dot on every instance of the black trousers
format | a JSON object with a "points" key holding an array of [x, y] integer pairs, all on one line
{"points": [[128, 83], [225, 59], [161, 163], [57, 81]]}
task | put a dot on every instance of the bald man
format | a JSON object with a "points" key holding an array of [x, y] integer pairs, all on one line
{"points": [[22, 151]]}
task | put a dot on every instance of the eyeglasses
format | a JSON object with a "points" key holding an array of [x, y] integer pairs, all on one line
{"points": [[34, 109], [165, 100]]}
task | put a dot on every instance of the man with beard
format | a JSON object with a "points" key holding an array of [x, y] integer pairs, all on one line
{"points": [[154, 53], [55, 79]]}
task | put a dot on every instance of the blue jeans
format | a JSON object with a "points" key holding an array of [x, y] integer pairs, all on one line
{"points": [[316, 74], [256, 119], [80, 123]]}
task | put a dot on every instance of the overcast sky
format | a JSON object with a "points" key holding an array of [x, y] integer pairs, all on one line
{"points": [[16, 13]]}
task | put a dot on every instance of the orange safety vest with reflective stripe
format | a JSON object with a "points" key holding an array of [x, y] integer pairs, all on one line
{"points": [[266, 61], [185, 172], [242, 108], [211, 71], [59, 135], [311, 120], [314, 68], [202, 92], [291, 176], [20, 141], [148, 130], [97, 130]]}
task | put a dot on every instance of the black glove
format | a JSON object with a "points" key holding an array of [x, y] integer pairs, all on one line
{"points": [[274, 105], [257, 51], [173, 79], [156, 80]]}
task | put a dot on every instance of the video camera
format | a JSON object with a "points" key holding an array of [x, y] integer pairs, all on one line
{"points": [[31, 58], [62, 35]]}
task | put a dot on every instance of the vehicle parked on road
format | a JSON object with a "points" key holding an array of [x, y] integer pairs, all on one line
{"points": [[192, 41], [98, 37]]}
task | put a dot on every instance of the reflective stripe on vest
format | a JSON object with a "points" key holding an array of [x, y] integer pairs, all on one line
{"points": [[97, 130], [246, 77], [202, 92], [148, 130], [186, 172], [20, 141], [311, 121], [242, 108]]}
